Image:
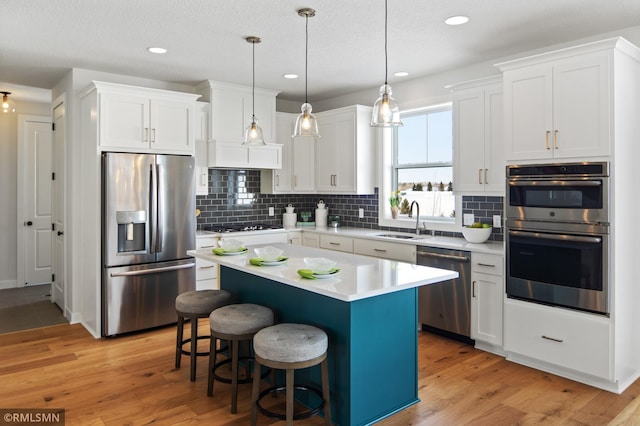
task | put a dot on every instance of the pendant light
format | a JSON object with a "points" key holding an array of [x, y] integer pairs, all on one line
{"points": [[7, 105], [253, 135], [385, 111], [306, 124]]}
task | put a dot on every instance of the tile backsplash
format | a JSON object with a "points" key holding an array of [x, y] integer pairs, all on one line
{"points": [[234, 196]]}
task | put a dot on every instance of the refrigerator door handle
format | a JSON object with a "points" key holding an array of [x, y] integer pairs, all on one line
{"points": [[152, 271], [153, 209], [159, 208]]}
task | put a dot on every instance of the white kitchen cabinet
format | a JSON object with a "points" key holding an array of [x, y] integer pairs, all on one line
{"points": [[385, 250], [136, 119], [559, 337], [206, 272], [201, 132], [559, 105], [487, 294], [231, 108], [345, 151], [477, 137], [294, 238], [310, 239], [297, 174], [336, 242]]}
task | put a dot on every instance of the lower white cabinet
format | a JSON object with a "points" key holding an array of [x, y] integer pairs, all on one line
{"points": [[487, 295], [206, 272], [310, 239], [385, 250], [294, 238], [336, 242], [561, 337]]}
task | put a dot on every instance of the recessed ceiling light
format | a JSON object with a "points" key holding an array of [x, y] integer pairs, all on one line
{"points": [[290, 76], [157, 50], [456, 20], [401, 74]]}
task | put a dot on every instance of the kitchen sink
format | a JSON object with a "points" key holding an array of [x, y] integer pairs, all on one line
{"points": [[398, 236]]}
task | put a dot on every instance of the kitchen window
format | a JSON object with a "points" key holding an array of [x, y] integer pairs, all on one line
{"points": [[418, 162]]}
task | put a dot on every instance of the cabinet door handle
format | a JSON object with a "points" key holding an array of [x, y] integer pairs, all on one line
{"points": [[486, 181], [277, 180], [146, 134], [480, 176], [555, 139], [295, 181], [473, 289], [487, 265], [553, 339], [546, 140], [153, 139]]}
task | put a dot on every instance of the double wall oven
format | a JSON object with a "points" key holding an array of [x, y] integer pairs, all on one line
{"points": [[557, 235]]}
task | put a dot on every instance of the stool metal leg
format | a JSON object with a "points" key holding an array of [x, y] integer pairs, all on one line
{"points": [[194, 346], [179, 336], [212, 362], [235, 354], [255, 392]]}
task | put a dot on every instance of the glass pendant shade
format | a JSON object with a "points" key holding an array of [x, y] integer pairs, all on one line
{"points": [[306, 124], [8, 106], [386, 112], [253, 134]]}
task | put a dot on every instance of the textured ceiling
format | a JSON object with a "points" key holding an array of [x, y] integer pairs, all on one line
{"points": [[205, 39]]}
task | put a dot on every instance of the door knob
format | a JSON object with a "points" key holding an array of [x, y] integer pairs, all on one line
{"points": [[60, 233], [29, 223]]}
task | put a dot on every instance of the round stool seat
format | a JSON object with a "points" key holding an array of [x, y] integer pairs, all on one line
{"points": [[201, 302], [290, 342], [240, 319]]}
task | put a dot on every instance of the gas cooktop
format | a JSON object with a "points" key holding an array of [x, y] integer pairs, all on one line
{"points": [[240, 227]]}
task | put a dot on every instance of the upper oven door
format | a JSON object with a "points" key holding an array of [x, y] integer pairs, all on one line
{"points": [[582, 200]]}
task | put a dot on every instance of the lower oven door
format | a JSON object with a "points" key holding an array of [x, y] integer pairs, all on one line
{"points": [[557, 267]]}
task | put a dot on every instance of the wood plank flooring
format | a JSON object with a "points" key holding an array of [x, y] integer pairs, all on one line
{"points": [[131, 380]]}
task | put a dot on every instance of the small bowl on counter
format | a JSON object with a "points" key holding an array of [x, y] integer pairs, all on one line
{"points": [[268, 253], [319, 265], [476, 235]]}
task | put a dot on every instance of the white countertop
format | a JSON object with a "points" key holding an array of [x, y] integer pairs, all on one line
{"points": [[360, 277]]}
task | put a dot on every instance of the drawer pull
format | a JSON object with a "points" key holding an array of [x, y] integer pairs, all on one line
{"points": [[334, 244], [552, 339], [487, 265], [206, 267], [213, 245], [380, 250]]}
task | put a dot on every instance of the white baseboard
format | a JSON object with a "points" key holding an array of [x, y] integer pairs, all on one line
{"points": [[8, 284]]}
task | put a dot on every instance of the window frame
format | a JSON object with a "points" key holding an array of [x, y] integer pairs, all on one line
{"points": [[387, 183]]}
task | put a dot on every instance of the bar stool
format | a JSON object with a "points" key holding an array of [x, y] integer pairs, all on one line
{"points": [[235, 324], [193, 305], [290, 347]]}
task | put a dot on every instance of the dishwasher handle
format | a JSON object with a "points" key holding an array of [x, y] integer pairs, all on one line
{"points": [[454, 257]]}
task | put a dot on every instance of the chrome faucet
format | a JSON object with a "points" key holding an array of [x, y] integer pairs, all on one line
{"points": [[417, 215]]}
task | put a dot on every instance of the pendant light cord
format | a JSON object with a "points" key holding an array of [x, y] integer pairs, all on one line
{"points": [[253, 85], [306, 57], [385, 43]]}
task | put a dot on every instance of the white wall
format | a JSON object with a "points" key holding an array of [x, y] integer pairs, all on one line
{"points": [[8, 189]]}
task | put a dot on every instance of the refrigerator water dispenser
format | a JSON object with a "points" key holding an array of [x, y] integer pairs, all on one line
{"points": [[131, 231]]}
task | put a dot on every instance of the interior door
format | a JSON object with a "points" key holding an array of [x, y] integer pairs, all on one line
{"points": [[37, 145], [57, 210]]}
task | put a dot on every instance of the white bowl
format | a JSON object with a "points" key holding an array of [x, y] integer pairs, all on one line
{"points": [[319, 264], [230, 244], [268, 253], [476, 235]]}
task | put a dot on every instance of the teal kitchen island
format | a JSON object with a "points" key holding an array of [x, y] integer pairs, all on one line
{"points": [[369, 310]]}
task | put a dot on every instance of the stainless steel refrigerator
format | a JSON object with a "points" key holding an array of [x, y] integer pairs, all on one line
{"points": [[148, 224]]}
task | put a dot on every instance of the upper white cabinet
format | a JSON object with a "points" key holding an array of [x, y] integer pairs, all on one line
{"points": [[297, 174], [201, 135], [479, 164], [345, 151], [231, 109], [559, 105], [136, 119]]}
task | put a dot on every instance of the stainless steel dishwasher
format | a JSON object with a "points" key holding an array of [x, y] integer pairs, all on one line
{"points": [[446, 306]]}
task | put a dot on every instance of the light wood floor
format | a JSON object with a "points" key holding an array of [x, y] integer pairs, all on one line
{"points": [[131, 380]]}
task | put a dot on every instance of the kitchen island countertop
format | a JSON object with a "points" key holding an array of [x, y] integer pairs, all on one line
{"points": [[360, 277]]}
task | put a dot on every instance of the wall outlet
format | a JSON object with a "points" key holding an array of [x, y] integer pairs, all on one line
{"points": [[468, 218], [497, 221], [271, 211], [361, 213]]}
